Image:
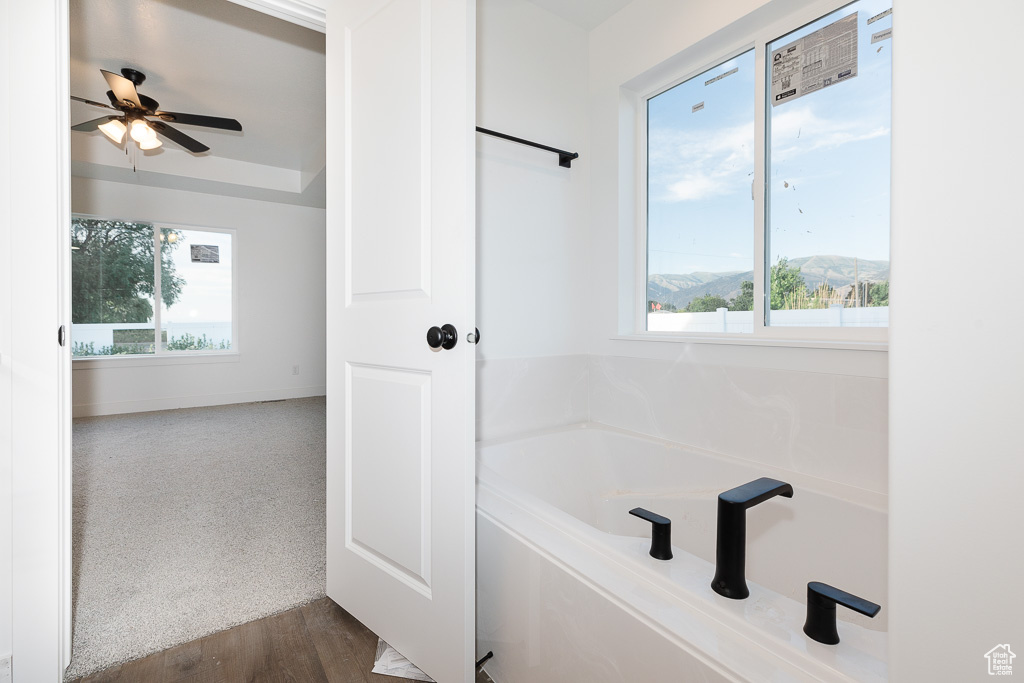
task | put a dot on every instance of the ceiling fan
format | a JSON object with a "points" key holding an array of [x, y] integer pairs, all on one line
{"points": [[137, 112]]}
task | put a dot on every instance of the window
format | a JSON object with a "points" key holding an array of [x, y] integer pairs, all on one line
{"points": [[700, 171], [815, 254], [120, 268]]}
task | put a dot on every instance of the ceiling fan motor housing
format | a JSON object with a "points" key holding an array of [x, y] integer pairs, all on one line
{"points": [[136, 77]]}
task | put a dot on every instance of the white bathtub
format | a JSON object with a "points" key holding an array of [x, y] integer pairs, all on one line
{"points": [[567, 592]]}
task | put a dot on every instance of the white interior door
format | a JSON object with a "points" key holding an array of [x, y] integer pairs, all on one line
{"points": [[401, 251]]}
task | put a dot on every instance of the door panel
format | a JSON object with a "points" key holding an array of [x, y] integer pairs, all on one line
{"points": [[389, 497], [401, 250], [389, 96]]}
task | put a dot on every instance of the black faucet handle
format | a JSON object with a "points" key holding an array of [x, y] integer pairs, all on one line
{"points": [[755, 492], [661, 533], [821, 610]]}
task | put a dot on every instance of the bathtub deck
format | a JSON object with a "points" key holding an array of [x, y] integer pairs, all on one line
{"points": [[316, 642]]}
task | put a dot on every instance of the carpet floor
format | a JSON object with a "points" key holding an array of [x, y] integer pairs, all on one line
{"points": [[187, 522]]}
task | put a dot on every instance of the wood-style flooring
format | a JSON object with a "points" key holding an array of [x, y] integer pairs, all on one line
{"points": [[318, 642]]}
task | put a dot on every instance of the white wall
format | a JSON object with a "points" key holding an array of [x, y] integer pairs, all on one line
{"points": [[956, 504], [532, 220], [281, 263]]}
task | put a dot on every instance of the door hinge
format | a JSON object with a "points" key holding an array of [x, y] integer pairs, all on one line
{"points": [[60, 336]]}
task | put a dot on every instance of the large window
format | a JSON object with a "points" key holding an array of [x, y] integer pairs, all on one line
{"points": [[815, 254], [120, 269]]}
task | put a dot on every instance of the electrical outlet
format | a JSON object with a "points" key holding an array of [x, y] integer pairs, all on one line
{"points": [[295, 369]]}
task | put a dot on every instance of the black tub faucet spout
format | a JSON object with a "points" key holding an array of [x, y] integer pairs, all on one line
{"points": [[731, 550]]}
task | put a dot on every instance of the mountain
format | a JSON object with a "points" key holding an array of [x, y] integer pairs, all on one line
{"points": [[838, 271], [682, 289]]}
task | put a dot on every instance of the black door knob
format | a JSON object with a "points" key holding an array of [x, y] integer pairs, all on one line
{"points": [[444, 337]]}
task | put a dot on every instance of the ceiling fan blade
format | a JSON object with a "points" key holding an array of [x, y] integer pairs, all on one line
{"points": [[200, 120], [123, 89], [95, 104], [92, 125], [175, 135]]}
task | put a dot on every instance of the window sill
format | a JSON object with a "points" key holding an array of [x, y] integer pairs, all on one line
{"points": [[749, 340], [127, 361]]}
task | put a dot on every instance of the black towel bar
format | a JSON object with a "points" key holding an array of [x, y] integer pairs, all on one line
{"points": [[564, 158]]}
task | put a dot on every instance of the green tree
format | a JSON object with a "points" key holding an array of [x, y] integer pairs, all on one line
{"points": [[745, 300], [112, 271], [787, 285], [879, 294], [706, 304]]}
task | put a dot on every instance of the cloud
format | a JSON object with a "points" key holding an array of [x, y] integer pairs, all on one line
{"points": [[689, 166], [799, 130]]}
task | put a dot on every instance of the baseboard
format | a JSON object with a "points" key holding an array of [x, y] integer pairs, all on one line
{"points": [[148, 405]]}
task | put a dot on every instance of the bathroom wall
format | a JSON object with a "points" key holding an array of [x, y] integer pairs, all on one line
{"points": [[532, 222], [956, 509], [281, 307], [551, 260], [820, 412]]}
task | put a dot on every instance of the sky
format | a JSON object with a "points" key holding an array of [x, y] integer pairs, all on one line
{"points": [[828, 183]]}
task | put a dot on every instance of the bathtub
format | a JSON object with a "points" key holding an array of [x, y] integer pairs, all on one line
{"points": [[566, 590]]}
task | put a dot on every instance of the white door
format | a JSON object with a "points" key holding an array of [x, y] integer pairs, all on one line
{"points": [[400, 253]]}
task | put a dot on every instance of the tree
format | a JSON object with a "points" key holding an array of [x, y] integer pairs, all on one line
{"points": [[879, 294], [706, 304], [787, 285], [745, 300], [112, 271]]}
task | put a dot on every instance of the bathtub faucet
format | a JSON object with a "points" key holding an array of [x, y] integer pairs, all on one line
{"points": [[661, 533], [731, 552]]}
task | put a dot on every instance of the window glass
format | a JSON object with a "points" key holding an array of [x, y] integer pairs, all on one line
{"points": [[113, 286], [827, 201], [115, 279], [700, 210], [196, 290]]}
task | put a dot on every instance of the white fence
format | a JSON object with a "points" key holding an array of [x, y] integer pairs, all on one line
{"points": [[724, 320], [102, 334]]}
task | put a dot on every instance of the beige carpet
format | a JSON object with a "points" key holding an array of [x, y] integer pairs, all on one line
{"points": [[189, 521]]}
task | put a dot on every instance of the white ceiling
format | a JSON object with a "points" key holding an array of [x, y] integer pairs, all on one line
{"points": [[584, 13], [208, 57]]}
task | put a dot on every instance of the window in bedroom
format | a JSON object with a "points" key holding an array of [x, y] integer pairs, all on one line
{"points": [[120, 269]]}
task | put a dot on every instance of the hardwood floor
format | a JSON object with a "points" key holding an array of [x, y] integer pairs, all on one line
{"points": [[318, 642]]}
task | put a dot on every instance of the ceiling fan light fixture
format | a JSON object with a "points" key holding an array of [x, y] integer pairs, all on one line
{"points": [[141, 132], [114, 130], [150, 144]]}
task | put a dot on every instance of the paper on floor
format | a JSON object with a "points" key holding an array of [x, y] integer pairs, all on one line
{"points": [[391, 663]]}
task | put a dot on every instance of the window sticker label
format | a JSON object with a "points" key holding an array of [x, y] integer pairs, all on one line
{"points": [[881, 35], [880, 15], [719, 77], [818, 60], [205, 253], [697, 107]]}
